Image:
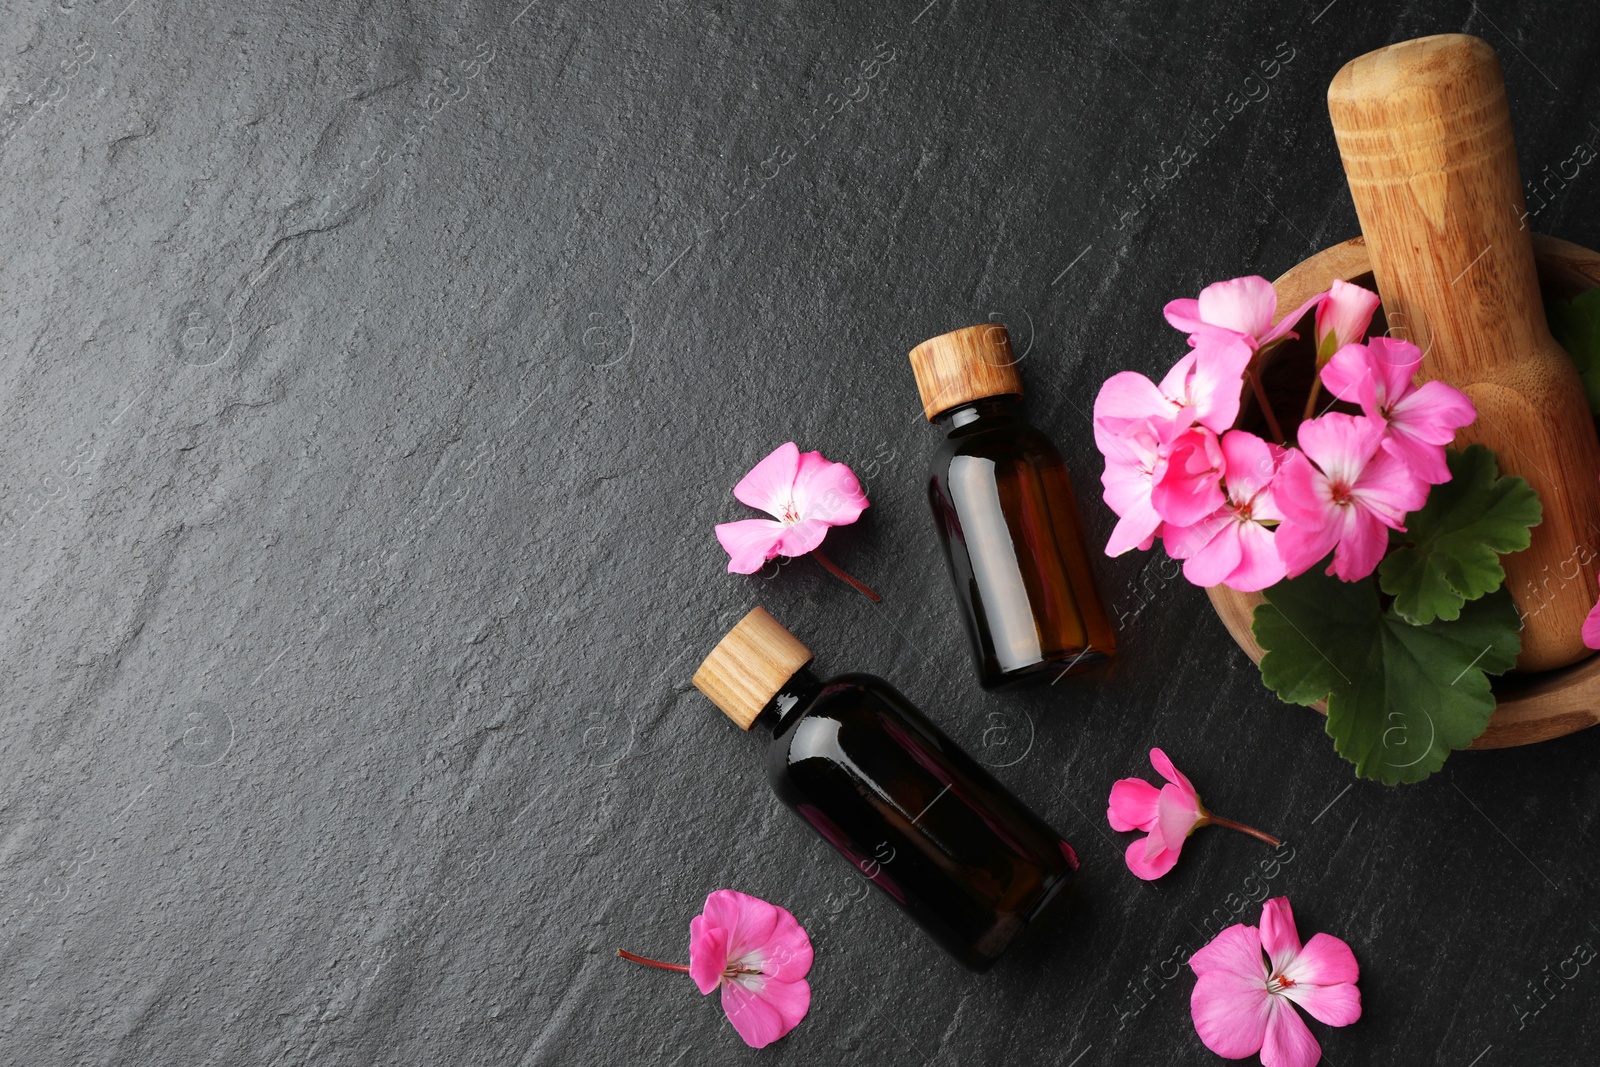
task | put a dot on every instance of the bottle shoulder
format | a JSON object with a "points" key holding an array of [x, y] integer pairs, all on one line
{"points": [[1006, 442]]}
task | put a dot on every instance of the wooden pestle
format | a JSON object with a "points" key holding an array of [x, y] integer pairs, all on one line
{"points": [[1425, 134]]}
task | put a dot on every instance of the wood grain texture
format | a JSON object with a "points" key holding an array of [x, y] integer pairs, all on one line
{"points": [[1532, 707], [1425, 133], [748, 666], [964, 365]]}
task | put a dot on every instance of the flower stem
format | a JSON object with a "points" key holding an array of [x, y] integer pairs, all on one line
{"points": [[1311, 401], [835, 570], [625, 954], [1261, 399], [1242, 828]]}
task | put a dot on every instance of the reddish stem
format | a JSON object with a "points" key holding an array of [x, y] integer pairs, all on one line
{"points": [[1261, 400], [835, 570], [1242, 828], [625, 954]]}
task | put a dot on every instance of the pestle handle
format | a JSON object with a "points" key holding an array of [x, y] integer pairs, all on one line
{"points": [[1425, 134]]}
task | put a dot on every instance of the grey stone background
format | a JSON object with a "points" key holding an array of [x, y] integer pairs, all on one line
{"points": [[373, 376]]}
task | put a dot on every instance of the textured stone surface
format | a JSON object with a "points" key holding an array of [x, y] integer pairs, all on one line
{"points": [[373, 377]]}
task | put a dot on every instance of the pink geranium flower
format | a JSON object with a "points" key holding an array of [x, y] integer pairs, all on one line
{"points": [[1202, 387], [1243, 1003], [1159, 442], [1343, 315], [1240, 308], [757, 954], [806, 495], [1342, 491], [1135, 458], [1167, 816], [1420, 420], [1232, 546]]}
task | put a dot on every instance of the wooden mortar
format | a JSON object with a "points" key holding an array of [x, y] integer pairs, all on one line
{"points": [[1425, 134], [1531, 707]]}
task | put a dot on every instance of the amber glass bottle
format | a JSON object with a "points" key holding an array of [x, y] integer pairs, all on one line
{"points": [[1006, 517], [917, 816]]}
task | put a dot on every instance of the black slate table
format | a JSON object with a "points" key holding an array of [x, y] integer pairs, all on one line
{"points": [[373, 377]]}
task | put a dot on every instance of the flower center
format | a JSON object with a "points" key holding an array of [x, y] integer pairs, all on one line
{"points": [[1279, 982], [791, 514], [1339, 492]]}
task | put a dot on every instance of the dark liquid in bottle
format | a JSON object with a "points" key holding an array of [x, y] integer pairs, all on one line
{"points": [[1009, 525], [916, 815]]}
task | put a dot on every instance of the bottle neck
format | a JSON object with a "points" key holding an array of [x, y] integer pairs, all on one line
{"points": [[989, 406], [790, 702]]}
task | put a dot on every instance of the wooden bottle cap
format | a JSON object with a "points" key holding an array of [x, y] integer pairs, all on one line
{"points": [[750, 665], [961, 366]]}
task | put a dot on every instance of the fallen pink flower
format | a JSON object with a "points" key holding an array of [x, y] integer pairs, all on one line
{"points": [[1345, 501], [1232, 546], [1243, 1003], [1420, 420], [758, 955], [806, 495], [1167, 816]]}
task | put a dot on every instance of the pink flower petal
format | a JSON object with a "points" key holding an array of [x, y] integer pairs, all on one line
{"points": [[750, 543], [1183, 315], [1389, 489], [1189, 488], [1394, 364], [1177, 814], [1591, 628], [1335, 1005], [1285, 326], [1236, 950], [763, 1010], [1325, 961], [1362, 543], [1133, 805], [786, 956], [1129, 396], [826, 491], [1231, 1012], [1288, 1041], [1136, 529], [1219, 557], [1245, 305], [1182, 542], [770, 484], [1343, 315], [1339, 444], [1164, 767], [1278, 934], [1301, 547], [708, 953], [1208, 381], [1152, 867], [1250, 464], [1348, 376], [802, 537], [748, 920], [1260, 565]]}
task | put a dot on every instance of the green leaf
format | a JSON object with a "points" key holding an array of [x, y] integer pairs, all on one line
{"points": [[1400, 696], [1450, 552], [1576, 324]]}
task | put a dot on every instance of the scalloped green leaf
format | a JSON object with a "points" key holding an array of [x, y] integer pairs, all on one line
{"points": [[1400, 696], [1450, 552]]}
